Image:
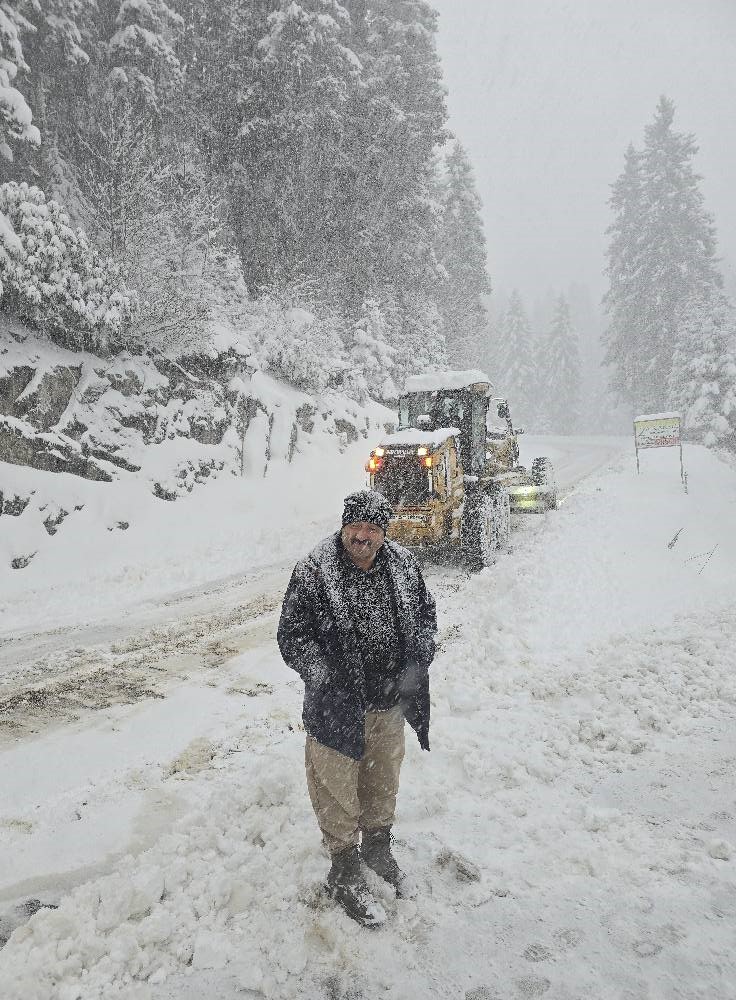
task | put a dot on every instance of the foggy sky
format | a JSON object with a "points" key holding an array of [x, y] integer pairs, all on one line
{"points": [[546, 96]]}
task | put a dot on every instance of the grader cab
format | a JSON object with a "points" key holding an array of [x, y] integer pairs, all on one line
{"points": [[448, 472]]}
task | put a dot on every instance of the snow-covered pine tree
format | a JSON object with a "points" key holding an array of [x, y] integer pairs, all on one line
{"points": [[398, 118], [662, 252], [219, 52], [321, 122], [141, 53], [416, 335], [560, 372], [624, 300], [15, 115], [492, 349], [16, 126], [461, 251], [598, 408], [703, 376], [58, 51], [541, 316], [371, 358], [517, 376], [54, 280], [287, 191]]}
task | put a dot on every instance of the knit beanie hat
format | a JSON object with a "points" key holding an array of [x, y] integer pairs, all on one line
{"points": [[367, 505]]}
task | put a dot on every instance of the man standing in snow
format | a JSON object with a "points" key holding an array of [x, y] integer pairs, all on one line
{"points": [[358, 625]]}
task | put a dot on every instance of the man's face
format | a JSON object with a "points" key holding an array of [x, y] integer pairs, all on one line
{"points": [[362, 541]]}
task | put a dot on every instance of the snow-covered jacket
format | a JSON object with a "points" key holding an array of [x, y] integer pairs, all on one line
{"points": [[317, 638]]}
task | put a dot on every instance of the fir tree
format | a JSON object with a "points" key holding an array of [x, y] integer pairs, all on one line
{"points": [[662, 252], [517, 375], [371, 356], [560, 373], [461, 251], [492, 354], [15, 114], [703, 377], [58, 51], [291, 142], [397, 122], [144, 67], [218, 51], [624, 300], [54, 280]]}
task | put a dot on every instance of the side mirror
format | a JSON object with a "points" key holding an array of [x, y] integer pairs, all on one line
{"points": [[518, 430]]}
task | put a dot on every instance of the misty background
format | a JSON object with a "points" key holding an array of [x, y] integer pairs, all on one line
{"points": [[547, 96]]}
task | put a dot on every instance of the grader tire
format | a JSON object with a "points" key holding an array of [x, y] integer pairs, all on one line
{"points": [[477, 533]]}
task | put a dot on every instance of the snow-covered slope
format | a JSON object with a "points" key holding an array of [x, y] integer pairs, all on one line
{"points": [[127, 477], [572, 829]]}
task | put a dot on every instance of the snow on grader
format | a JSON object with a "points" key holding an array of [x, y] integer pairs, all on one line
{"points": [[452, 475]]}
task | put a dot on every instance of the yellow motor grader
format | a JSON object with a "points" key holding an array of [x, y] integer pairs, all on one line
{"points": [[451, 478]]}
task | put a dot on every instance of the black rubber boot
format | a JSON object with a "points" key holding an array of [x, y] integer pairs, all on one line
{"points": [[376, 852], [346, 885]]}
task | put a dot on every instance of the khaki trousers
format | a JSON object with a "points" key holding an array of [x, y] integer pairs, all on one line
{"points": [[353, 795]]}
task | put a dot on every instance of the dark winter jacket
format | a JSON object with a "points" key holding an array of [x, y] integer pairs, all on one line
{"points": [[318, 639]]}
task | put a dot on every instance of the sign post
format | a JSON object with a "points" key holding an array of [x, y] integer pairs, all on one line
{"points": [[659, 430]]}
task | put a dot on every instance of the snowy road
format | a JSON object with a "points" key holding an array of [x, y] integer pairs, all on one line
{"points": [[582, 763], [573, 458], [27, 654]]}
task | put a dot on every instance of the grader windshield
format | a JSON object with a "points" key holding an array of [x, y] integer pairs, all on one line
{"points": [[462, 406], [403, 480]]}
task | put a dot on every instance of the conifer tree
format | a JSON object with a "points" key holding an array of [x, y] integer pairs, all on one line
{"points": [[397, 123], [703, 376], [15, 114], [58, 51], [491, 356], [517, 377], [560, 373], [144, 67], [624, 299], [291, 144], [371, 356], [461, 251], [662, 252], [218, 51]]}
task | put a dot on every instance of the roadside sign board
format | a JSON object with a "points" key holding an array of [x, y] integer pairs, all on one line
{"points": [[658, 430]]}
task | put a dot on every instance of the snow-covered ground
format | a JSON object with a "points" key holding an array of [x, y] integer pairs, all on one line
{"points": [[572, 829], [227, 533]]}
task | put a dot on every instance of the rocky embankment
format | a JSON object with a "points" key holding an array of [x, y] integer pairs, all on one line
{"points": [[174, 424]]}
